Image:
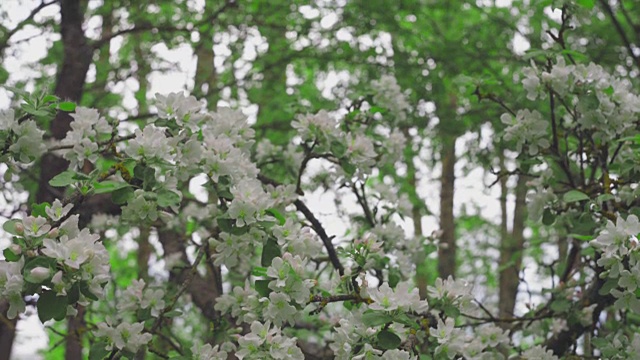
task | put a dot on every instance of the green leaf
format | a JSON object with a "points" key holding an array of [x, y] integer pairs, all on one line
{"points": [[588, 4], [451, 311], [259, 271], [229, 226], [30, 109], [172, 313], [122, 196], [609, 285], [262, 287], [73, 293], [403, 318], [574, 195], [108, 186], [10, 226], [40, 209], [51, 306], [375, 318], [581, 237], [560, 305], [50, 98], [278, 215], [40, 261], [348, 167], [605, 197], [9, 256], [168, 198], [191, 227], [84, 289], [270, 251], [548, 218], [338, 148], [148, 176], [67, 106], [63, 179], [98, 351], [387, 340]]}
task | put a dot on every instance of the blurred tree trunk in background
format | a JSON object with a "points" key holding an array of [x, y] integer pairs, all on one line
{"points": [[78, 55], [511, 249], [447, 248], [205, 81]]}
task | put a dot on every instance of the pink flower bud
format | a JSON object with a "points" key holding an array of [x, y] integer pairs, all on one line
{"points": [[53, 233], [19, 228], [16, 249], [40, 273]]}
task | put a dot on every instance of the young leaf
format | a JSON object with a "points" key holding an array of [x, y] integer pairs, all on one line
{"points": [[574, 195], [63, 179], [10, 226], [67, 106]]}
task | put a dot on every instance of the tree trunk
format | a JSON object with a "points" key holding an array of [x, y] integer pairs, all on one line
{"points": [[447, 248], [7, 332], [511, 249], [205, 84], [69, 86]]}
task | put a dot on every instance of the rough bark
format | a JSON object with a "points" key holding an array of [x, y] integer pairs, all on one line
{"points": [[447, 249], [511, 248]]}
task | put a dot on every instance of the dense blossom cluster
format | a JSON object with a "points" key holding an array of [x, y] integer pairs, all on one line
{"points": [[373, 310]]}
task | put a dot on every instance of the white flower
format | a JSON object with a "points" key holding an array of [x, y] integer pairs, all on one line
{"points": [[361, 151], [153, 299], [58, 284], [384, 298], [73, 252], [184, 109], [531, 82], [11, 284], [7, 119], [279, 310], [131, 298], [249, 202], [444, 330], [149, 143], [396, 354], [56, 211], [85, 149], [538, 353], [207, 352], [139, 208], [527, 127], [29, 145], [125, 336], [558, 77], [232, 124], [389, 95], [320, 125], [35, 227]]}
